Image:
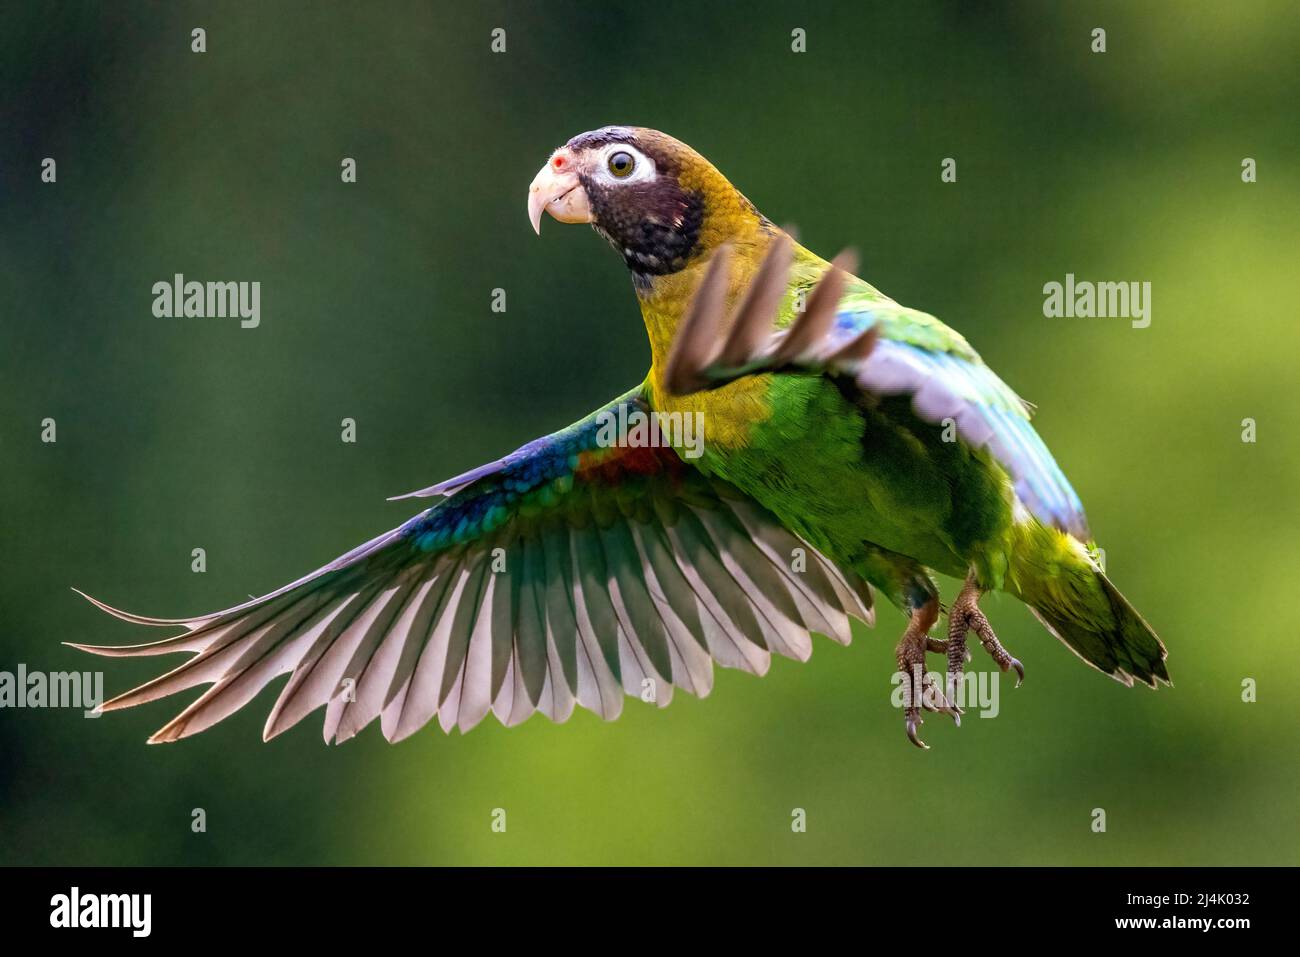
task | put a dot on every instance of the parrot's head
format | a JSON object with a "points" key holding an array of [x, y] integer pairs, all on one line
{"points": [[659, 203]]}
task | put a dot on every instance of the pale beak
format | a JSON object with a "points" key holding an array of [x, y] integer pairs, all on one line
{"points": [[556, 190]]}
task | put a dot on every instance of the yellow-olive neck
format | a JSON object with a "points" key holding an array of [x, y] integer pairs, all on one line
{"points": [[664, 299]]}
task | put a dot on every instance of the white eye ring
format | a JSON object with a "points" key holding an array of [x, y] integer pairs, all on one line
{"points": [[643, 168]]}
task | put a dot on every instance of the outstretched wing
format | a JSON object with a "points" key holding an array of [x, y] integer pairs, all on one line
{"points": [[849, 330], [574, 570]]}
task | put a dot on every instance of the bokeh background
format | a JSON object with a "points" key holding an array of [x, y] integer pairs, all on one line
{"points": [[175, 434]]}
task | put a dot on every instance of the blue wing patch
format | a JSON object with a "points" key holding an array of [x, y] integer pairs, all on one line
{"points": [[959, 386]]}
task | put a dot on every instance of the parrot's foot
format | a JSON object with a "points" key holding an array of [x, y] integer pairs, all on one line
{"points": [[920, 692], [965, 616]]}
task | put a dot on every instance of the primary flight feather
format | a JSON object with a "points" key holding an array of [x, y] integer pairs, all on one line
{"points": [[848, 442]]}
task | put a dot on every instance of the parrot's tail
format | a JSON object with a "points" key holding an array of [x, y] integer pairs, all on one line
{"points": [[1055, 575]]}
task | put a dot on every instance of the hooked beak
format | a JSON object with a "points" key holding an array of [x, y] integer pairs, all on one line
{"points": [[556, 190]]}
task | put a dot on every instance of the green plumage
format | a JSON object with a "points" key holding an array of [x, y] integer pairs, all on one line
{"points": [[588, 564], [877, 487]]}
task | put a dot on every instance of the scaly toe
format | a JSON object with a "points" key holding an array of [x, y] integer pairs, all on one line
{"points": [[937, 646]]}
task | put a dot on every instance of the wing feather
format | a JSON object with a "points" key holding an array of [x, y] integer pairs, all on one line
{"points": [[851, 332], [571, 572]]}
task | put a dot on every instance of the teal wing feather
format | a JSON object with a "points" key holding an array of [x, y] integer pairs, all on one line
{"points": [[576, 569]]}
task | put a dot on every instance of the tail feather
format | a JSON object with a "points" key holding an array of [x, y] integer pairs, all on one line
{"points": [[1075, 601]]}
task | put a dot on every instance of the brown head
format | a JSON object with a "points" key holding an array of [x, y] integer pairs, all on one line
{"points": [[660, 204]]}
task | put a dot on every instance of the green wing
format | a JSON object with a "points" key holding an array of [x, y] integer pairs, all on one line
{"points": [[832, 322], [575, 570]]}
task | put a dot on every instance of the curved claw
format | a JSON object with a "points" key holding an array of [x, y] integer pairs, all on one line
{"points": [[935, 700], [1020, 670], [945, 707], [956, 715], [911, 735]]}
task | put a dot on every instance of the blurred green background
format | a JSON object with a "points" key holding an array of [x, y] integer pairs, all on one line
{"points": [[175, 434]]}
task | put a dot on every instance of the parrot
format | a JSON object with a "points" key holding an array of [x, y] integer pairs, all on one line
{"points": [[850, 446]]}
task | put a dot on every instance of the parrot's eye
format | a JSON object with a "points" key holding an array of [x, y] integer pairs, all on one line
{"points": [[621, 164]]}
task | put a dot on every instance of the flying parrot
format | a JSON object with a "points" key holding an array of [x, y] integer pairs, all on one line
{"points": [[849, 444]]}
